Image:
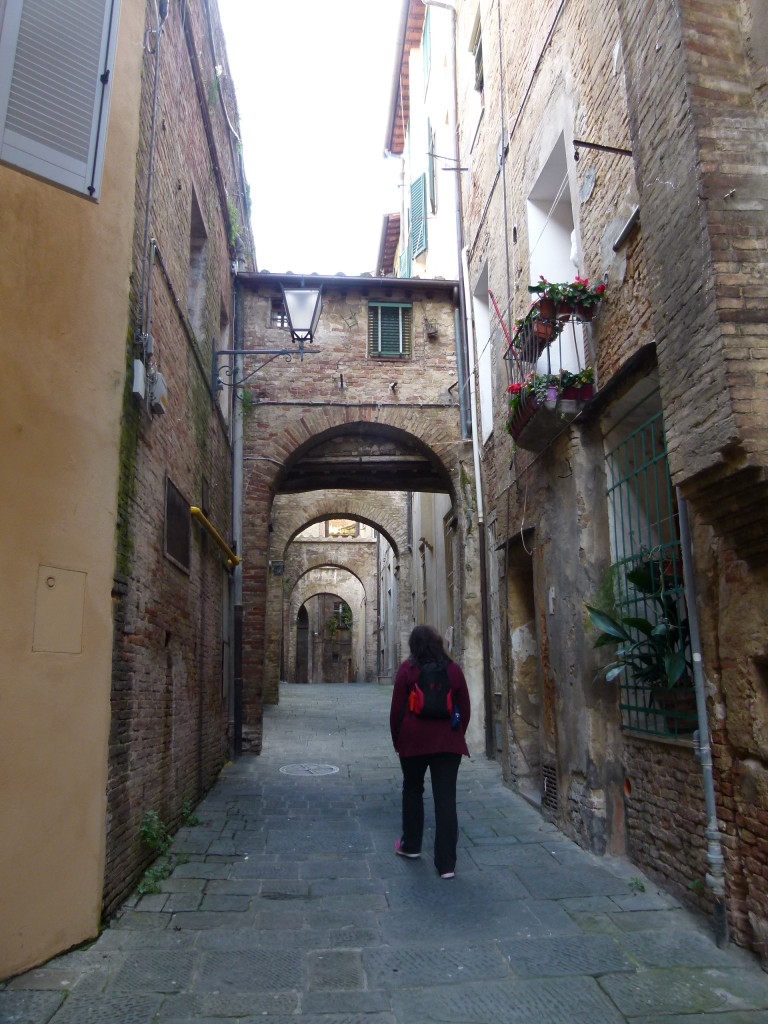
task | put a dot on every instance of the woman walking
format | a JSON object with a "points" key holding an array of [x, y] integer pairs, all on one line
{"points": [[425, 742]]}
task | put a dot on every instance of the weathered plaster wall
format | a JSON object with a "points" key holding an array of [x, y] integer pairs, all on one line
{"points": [[64, 265]]}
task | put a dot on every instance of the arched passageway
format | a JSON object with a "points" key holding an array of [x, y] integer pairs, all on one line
{"points": [[315, 448], [346, 589]]}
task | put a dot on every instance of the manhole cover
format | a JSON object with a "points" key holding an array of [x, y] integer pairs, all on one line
{"points": [[309, 769]]}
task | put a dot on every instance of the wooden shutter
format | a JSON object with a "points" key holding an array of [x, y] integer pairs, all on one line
{"points": [[431, 167], [419, 215], [389, 330], [56, 60]]}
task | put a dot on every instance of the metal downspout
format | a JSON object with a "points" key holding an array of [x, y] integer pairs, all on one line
{"points": [[480, 525], [715, 876], [237, 529]]}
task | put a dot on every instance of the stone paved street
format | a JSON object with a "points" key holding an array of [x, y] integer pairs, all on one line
{"points": [[287, 903]]}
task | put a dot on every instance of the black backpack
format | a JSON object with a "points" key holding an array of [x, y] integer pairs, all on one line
{"points": [[431, 696]]}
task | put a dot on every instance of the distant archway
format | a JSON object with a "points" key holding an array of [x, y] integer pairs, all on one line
{"points": [[346, 587]]}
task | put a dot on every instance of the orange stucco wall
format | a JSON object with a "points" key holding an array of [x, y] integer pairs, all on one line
{"points": [[64, 277]]}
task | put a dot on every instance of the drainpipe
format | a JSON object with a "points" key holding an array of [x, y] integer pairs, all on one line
{"points": [[237, 531], [379, 590], [716, 875], [480, 522]]}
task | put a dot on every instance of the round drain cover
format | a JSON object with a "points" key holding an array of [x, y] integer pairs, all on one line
{"points": [[309, 769]]}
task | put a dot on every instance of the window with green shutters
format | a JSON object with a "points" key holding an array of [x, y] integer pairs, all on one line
{"points": [[389, 329], [419, 215], [431, 167]]}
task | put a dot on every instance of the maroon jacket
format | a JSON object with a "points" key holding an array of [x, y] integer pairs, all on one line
{"points": [[413, 735]]}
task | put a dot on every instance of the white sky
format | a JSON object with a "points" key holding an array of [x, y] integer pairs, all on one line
{"points": [[313, 81]]}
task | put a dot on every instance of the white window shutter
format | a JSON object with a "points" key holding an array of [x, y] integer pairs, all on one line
{"points": [[56, 61]]}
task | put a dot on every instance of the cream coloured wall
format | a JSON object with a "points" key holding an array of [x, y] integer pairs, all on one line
{"points": [[64, 278]]}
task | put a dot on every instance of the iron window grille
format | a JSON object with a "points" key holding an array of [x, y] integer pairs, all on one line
{"points": [[389, 330], [645, 537]]}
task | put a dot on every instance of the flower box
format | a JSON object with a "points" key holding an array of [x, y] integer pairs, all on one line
{"points": [[534, 426]]}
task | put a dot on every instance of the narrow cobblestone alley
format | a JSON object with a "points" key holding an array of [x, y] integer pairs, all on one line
{"points": [[288, 904]]}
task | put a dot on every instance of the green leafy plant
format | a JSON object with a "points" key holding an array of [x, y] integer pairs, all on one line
{"points": [[340, 620], [574, 293], [188, 816], [154, 833], [536, 385], [698, 886], [654, 652], [636, 885], [153, 878], [247, 402], [234, 222]]}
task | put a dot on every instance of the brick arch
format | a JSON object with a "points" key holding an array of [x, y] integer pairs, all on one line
{"points": [[270, 452], [314, 582], [304, 558], [376, 509], [299, 472], [294, 581], [272, 446]]}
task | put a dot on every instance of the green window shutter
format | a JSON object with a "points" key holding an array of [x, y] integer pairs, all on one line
{"points": [[404, 265], [389, 330], [431, 167], [419, 215]]}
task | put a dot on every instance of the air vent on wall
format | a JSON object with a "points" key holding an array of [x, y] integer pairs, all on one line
{"points": [[549, 787]]}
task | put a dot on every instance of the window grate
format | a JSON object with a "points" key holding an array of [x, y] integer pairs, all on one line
{"points": [[645, 538], [549, 787]]}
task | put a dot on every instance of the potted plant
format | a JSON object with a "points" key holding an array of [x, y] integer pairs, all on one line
{"points": [[583, 299], [655, 653], [563, 300], [553, 299], [557, 397]]}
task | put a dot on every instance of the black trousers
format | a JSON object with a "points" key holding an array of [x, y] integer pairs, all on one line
{"points": [[443, 771]]}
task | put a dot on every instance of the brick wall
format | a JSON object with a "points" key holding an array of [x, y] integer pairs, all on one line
{"points": [[709, 317], [700, 176], [169, 713], [296, 406], [680, 87]]}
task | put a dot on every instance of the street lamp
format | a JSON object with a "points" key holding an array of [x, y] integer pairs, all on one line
{"points": [[303, 307]]}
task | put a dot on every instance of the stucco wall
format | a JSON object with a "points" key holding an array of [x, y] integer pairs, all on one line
{"points": [[64, 269]]}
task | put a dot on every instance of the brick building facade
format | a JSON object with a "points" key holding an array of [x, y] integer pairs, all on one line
{"points": [[343, 434], [666, 112], [171, 683]]}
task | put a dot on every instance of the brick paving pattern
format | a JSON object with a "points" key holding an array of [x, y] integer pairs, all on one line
{"points": [[287, 903]]}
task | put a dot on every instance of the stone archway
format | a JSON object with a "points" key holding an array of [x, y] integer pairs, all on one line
{"points": [[353, 453], [344, 586], [383, 512]]}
